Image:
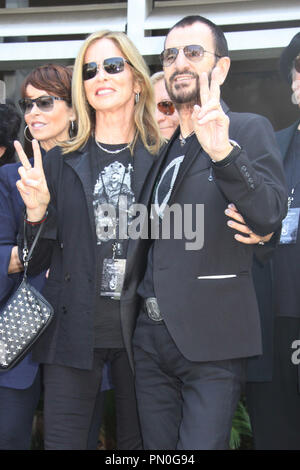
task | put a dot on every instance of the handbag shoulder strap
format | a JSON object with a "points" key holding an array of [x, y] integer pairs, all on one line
{"points": [[27, 254]]}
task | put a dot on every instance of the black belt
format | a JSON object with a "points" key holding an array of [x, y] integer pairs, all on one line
{"points": [[152, 309]]}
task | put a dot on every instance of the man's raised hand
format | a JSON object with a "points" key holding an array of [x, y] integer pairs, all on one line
{"points": [[211, 124]]}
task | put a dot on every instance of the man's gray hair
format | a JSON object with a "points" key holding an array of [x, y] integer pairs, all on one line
{"points": [[156, 77]]}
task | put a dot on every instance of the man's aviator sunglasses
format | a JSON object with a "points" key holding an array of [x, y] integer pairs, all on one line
{"points": [[44, 103], [194, 53], [111, 65]]}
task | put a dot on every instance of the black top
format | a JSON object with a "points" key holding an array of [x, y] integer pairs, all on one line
{"points": [[112, 176], [161, 195], [287, 256]]}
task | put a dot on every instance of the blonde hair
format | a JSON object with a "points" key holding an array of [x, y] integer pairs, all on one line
{"points": [[144, 111]]}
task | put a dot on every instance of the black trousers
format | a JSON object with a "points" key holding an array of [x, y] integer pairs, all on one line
{"points": [[17, 408], [70, 398], [274, 406], [182, 404]]}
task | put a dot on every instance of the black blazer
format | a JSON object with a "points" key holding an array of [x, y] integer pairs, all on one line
{"points": [[260, 369], [285, 137], [208, 318], [68, 246]]}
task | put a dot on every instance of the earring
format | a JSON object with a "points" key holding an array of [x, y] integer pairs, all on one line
{"points": [[72, 130], [26, 136], [137, 97]]}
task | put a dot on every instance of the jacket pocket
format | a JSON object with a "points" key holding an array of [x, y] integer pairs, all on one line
{"points": [[218, 276]]}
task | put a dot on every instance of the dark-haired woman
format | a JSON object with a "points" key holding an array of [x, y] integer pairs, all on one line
{"points": [[46, 103]]}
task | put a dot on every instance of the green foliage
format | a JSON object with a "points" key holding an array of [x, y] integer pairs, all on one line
{"points": [[108, 430], [241, 427]]}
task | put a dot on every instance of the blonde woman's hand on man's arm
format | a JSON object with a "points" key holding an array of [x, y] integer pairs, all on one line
{"points": [[250, 238]]}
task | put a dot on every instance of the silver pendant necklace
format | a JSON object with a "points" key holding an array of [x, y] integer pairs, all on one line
{"points": [[183, 139], [112, 151]]}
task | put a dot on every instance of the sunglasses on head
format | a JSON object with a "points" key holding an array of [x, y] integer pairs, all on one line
{"points": [[193, 53], [166, 107], [297, 64], [111, 65], [44, 103]]}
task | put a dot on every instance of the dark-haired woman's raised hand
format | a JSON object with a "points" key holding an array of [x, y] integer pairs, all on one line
{"points": [[32, 185]]}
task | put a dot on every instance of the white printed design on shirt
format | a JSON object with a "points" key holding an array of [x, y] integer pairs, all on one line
{"points": [[167, 179], [114, 183]]}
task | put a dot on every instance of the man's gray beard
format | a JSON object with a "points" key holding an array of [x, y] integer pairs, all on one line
{"points": [[184, 99]]}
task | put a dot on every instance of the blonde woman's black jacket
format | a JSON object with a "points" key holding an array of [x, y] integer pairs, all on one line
{"points": [[68, 247]]}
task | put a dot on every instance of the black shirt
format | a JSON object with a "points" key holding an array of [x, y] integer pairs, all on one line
{"points": [[112, 178], [287, 257], [160, 198]]}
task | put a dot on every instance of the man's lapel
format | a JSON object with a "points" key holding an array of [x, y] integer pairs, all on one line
{"points": [[143, 162], [285, 137], [150, 180], [193, 152]]}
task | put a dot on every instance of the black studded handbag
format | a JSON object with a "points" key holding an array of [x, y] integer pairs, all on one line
{"points": [[24, 318]]}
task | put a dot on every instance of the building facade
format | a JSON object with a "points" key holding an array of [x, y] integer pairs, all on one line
{"points": [[42, 31]]}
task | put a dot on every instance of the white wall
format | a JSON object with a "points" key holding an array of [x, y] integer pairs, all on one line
{"points": [[277, 20]]}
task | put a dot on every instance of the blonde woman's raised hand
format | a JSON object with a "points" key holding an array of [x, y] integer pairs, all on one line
{"points": [[32, 184]]}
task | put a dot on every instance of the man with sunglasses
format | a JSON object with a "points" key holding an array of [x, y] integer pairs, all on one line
{"points": [[273, 390], [199, 319], [165, 113]]}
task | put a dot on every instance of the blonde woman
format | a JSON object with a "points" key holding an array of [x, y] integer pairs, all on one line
{"points": [[108, 161]]}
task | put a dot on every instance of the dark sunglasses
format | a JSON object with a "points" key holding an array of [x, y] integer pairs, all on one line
{"points": [[166, 107], [297, 64], [193, 53], [111, 65], [44, 103]]}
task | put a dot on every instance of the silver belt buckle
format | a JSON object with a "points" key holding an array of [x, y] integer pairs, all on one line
{"points": [[153, 309]]}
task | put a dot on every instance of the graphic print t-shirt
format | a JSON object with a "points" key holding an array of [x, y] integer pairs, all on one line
{"points": [[112, 185]]}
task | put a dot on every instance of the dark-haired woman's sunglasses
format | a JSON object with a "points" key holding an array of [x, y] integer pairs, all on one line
{"points": [[194, 53], [297, 64], [111, 65], [166, 107], [44, 103]]}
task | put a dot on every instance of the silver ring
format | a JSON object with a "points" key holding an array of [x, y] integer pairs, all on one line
{"points": [[261, 242]]}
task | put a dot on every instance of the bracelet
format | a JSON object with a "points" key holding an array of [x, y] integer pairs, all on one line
{"points": [[38, 222], [236, 150]]}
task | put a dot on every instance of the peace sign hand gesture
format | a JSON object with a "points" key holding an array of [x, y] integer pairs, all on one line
{"points": [[32, 186], [211, 124]]}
